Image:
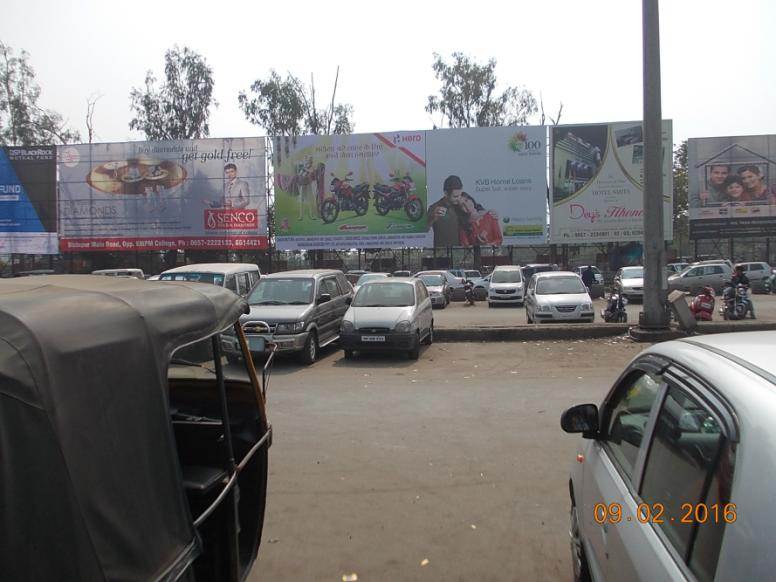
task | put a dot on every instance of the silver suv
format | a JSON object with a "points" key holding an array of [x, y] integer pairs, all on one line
{"points": [[672, 479]]}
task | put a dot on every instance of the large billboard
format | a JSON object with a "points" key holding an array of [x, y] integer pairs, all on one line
{"points": [[732, 186], [28, 200], [207, 194], [350, 191], [597, 176], [487, 186]]}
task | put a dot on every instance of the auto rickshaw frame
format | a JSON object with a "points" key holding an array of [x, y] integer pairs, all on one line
{"points": [[110, 469]]}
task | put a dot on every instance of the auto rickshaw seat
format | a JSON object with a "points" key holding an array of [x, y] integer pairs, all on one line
{"points": [[200, 480]]}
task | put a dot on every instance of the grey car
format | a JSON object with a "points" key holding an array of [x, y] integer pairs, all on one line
{"points": [[557, 296], [389, 315], [298, 311], [696, 277], [673, 478]]}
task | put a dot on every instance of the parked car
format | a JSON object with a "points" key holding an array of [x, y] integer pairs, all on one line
{"points": [[136, 273], [479, 282], [297, 311], [670, 481], [531, 269], [389, 315], [713, 262], [353, 275], [437, 290], [454, 284], [697, 276], [629, 282], [599, 277], [238, 277], [507, 286], [757, 273], [402, 274], [674, 268], [557, 296], [368, 277], [116, 456]]}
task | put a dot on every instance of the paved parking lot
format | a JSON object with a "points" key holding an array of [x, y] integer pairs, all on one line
{"points": [[381, 463]]}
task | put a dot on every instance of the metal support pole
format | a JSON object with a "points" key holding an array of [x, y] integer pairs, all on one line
{"points": [[731, 256], [654, 315]]}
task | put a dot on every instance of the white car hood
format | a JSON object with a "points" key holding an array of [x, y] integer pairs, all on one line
{"points": [[378, 316], [434, 289], [628, 283], [563, 299]]}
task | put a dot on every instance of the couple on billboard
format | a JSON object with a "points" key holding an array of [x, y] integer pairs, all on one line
{"points": [[725, 188], [458, 220]]}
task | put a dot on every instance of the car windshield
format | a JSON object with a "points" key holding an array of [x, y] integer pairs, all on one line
{"points": [[277, 291], [214, 278], [370, 277], [633, 273], [473, 275], [385, 295], [510, 276], [559, 286], [432, 280]]}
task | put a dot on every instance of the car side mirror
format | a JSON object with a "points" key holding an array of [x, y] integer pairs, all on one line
{"points": [[324, 297], [581, 418], [348, 300]]}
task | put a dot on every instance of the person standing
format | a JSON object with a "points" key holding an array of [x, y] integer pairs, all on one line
{"points": [[588, 277]]}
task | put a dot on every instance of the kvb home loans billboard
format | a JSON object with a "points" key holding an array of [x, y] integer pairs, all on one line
{"points": [[597, 176], [350, 191], [138, 196]]}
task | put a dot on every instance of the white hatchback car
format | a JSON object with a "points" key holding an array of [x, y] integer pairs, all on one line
{"points": [[507, 286], [557, 296], [673, 479]]}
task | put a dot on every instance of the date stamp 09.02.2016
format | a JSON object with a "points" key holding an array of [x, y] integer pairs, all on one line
{"points": [[690, 513]]}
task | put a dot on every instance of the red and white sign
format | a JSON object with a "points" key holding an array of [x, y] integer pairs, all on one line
{"points": [[231, 219], [216, 243]]}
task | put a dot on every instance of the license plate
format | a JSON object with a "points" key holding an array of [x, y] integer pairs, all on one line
{"points": [[372, 338], [257, 344]]}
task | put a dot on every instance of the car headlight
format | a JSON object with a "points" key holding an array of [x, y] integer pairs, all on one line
{"points": [[347, 326], [545, 307], [587, 307], [291, 327], [403, 327]]}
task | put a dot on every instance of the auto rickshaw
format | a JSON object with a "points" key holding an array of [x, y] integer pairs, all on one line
{"points": [[129, 448]]}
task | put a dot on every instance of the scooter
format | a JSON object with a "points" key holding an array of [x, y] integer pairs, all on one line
{"points": [[615, 312], [702, 307], [345, 196], [735, 302], [468, 292], [400, 194]]}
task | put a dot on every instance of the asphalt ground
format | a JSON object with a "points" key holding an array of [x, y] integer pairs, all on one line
{"points": [[452, 467]]}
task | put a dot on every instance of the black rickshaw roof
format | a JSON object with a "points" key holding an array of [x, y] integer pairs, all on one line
{"points": [[89, 477]]}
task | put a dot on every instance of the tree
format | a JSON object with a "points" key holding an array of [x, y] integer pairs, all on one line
{"points": [[681, 207], [287, 107], [22, 121], [180, 107], [468, 96]]}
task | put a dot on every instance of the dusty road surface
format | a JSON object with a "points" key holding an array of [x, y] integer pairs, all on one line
{"points": [[449, 468]]}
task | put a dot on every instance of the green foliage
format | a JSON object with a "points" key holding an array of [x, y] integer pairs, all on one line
{"points": [[180, 107], [22, 121], [681, 211], [468, 96], [287, 107]]}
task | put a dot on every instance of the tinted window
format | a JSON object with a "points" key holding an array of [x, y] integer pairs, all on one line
{"points": [[716, 270], [330, 286], [385, 295], [633, 273], [244, 283], [507, 276], [696, 272], [277, 291], [433, 280], [628, 413], [560, 285], [214, 278], [682, 458], [231, 283], [756, 267]]}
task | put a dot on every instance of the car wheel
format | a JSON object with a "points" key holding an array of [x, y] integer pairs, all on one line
{"points": [[579, 564], [414, 353], [310, 350], [348, 354], [443, 305], [430, 337]]}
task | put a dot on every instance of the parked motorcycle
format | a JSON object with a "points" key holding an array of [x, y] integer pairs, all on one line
{"points": [[468, 292], [400, 194], [615, 312], [345, 196], [735, 302], [702, 307]]}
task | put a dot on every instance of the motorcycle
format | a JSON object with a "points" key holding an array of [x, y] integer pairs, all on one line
{"points": [[468, 292], [615, 312], [735, 302], [702, 307], [400, 194], [345, 196]]}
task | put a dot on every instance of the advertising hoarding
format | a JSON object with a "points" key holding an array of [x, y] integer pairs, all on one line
{"points": [[732, 186], [597, 175], [207, 194], [487, 186], [350, 191], [28, 200]]}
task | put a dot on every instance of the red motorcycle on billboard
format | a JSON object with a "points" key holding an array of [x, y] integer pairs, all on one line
{"points": [[345, 196], [400, 194]]}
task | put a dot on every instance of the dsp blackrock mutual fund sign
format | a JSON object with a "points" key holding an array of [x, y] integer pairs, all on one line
{"points": [[192, 194], [487, 186], [732, 186], [350, 191], [597, 177], [28, 200]]}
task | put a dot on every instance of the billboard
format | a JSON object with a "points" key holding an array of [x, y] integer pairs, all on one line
{"points": [[732, 186], [487, 186], [207, 194], [597, 173], [350, 191], [28, 200]]}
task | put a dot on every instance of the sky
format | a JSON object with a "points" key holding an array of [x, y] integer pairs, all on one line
{"points": [[717, 56]]}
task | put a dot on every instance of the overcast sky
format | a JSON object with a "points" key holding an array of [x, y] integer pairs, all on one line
{"points": [[718, 57]]}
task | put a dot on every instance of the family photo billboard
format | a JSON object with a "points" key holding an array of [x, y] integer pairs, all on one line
{"points": [[487, 186], [597, 176], [207, 194], [732, 186], [350, 191], [28, 200]]}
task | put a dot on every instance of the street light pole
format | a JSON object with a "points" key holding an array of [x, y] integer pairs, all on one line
{"points": [[654, 315]]}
